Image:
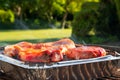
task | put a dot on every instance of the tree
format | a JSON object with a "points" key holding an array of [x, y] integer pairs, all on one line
{"points": [[85, 20], [68, 9], [104, 19], [65, 7], [107, 23], [117, 2]]}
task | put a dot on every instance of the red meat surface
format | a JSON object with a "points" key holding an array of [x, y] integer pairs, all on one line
{"points": [[85, 52], [40, 52], [52, 51]]}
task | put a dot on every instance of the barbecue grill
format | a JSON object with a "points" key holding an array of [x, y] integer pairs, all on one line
{"points": [[101, 68]]}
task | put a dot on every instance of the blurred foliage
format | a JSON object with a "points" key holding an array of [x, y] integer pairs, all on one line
{"points": [[102, 18], [107, 22], [97, 39], [86, 17], [7, 19], [6, 16], [117, 2], [47, 10]]}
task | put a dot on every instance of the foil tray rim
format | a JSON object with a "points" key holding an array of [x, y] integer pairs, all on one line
{"points": [[56, 64]]}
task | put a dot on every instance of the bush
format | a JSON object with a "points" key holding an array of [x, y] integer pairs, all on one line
{"points": [[6, 19], [107, 23], [85, 20], [6, 16], [100, 17]]}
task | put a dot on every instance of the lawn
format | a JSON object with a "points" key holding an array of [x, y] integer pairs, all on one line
{"points": [[45, 35], [42, 35]]}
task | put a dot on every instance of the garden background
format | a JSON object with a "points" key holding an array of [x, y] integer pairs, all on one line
{"points": [[84, 21]]}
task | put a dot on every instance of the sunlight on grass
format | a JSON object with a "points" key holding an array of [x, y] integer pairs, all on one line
{"points": [[34, 34]]}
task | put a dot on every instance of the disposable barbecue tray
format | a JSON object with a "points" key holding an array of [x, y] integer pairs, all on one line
{"points": [[101, 68]]}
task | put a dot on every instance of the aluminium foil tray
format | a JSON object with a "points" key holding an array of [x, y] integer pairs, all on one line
{"points": [[84, 69]]}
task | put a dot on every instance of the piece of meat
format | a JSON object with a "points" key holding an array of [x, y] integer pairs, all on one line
{"points": [[47, 54], [12, 50], [52, 51], [63, 42], [40, 52], [85, 52]]}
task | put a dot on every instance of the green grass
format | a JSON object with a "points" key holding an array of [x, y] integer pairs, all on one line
{"points": [[46, 35], [42, 35]]}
